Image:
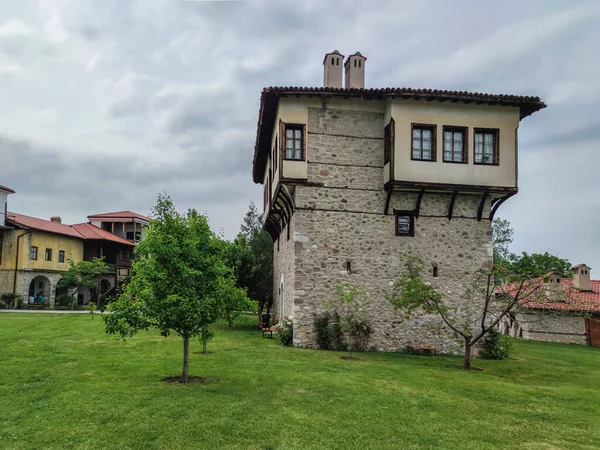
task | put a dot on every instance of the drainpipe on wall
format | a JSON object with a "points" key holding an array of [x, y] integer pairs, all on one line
{"points": [[17, 261]]}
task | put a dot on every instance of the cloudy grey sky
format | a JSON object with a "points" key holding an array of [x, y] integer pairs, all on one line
{"points": [[103, 104]]}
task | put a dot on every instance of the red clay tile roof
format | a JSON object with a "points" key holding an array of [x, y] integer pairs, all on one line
{"points": [[574, 299], [580, 265], [41, 224], [120, 215], [79, 231], [269, 100], [7, 189], [89, 231]]}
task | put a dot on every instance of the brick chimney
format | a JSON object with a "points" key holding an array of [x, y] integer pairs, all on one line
{"points": [[355, 71], [56, 219], [581, 277], [332, 69]]}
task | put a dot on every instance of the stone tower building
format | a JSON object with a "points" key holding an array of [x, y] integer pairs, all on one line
{"points": [[355, 179]]}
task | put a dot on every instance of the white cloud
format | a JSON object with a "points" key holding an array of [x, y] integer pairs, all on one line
{"points": [[123, 100]]}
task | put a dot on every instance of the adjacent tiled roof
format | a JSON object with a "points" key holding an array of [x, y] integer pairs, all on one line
{"points": [[89, 231], [270, 98], [572, 298], [120, 215], [42, 225], [7, 189], [579, 266], [79, 231]]}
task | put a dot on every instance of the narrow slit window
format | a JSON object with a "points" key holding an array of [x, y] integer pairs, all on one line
{"points": [[435, 271]]}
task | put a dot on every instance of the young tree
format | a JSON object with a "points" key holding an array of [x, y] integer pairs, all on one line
{"points": [[84, 274], [349, 304], [481, 305], [180, 282]]}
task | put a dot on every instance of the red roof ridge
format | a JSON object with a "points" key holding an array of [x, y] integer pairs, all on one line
{"points": [[100, 233], [7, 189], [119, 214]]}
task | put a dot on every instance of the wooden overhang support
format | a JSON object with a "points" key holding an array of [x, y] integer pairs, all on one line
{"points": [[484, 197], [451, 205], [287, 201], [418, 205], [387, 200], [496, 204]]}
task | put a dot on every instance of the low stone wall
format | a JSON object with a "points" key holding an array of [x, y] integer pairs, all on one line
{"points": [[553, 328]]}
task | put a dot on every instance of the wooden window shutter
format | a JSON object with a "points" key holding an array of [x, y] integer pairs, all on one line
{"points": [[281, 142], [392, 146]]}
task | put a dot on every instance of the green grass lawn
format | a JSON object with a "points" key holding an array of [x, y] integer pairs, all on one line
{"points": [[65, 384]]}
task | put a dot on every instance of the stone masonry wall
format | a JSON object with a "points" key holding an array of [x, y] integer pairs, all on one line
{"points": [[553, 328], [344, 221], [283, 265]]}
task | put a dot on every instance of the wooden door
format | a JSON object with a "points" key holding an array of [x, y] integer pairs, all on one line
{"points": [[592, 328]]}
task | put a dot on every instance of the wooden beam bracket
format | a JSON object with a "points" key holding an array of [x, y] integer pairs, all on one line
{"points": [[418, 205], [484, 197], [451, 205]]}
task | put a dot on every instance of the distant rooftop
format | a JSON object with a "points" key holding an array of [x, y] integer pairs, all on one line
{"points": [[6, 189], [120, 215], [78, 231]]}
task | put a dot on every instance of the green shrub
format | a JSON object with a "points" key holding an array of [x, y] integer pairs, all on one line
{"points": [[3, 304], [496, 346], [330, 335], [285, 332], [65, 300], [9, 299], [20, 304]]}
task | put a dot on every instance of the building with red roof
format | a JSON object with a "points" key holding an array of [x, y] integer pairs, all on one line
{"points": [[125, 224], [35, 252], [568, 311]]}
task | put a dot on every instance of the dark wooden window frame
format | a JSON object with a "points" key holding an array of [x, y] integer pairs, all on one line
{"points": [[61, 256], [433, 129], [33, 254], [496, 152], [465, 146], [48, 255], [411, 226], [294, 126]]}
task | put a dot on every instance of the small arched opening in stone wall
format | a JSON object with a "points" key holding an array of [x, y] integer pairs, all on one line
{"points": [[40, 290]]}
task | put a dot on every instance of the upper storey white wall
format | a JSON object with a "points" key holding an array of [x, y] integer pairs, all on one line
{"points": [[294, 110], [503, 118]]}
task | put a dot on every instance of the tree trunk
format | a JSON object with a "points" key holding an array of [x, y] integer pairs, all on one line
{"points": [[186, 351], [204, 348], [467, 360]]}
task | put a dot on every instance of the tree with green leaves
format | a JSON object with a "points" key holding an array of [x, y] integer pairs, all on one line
{"points": [[180, 281], [84, 274], [502, 235], [481, 305], [251, 255], [539, 265], [534, 265]]}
